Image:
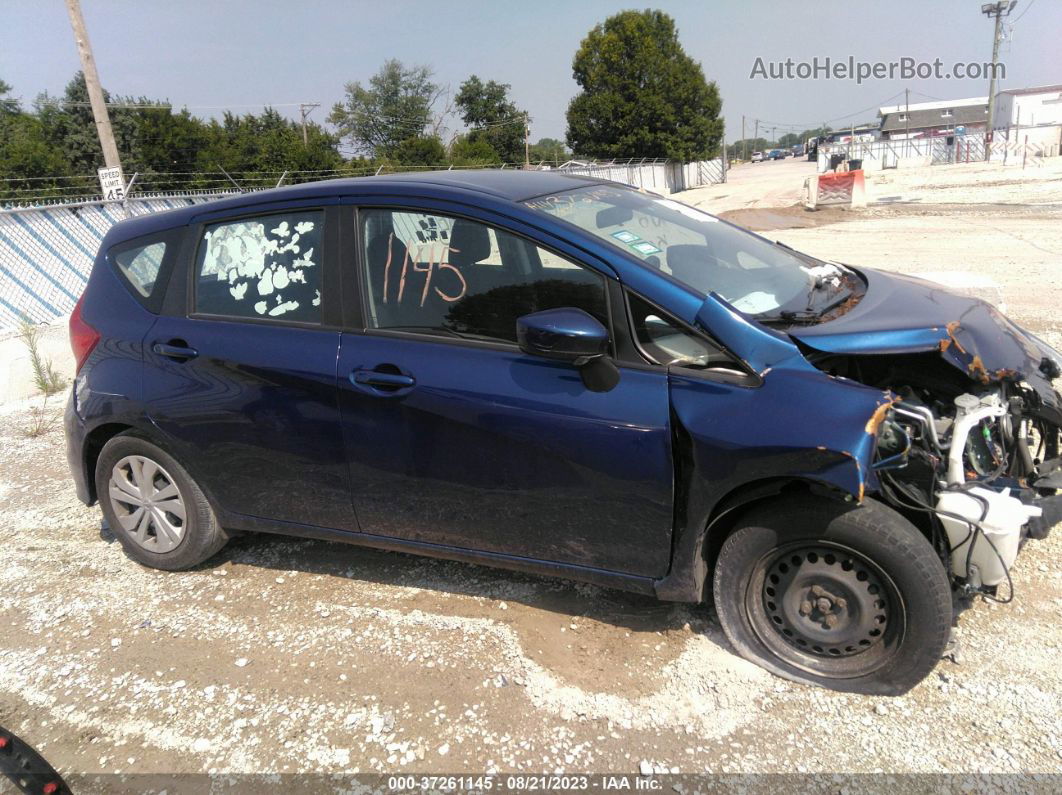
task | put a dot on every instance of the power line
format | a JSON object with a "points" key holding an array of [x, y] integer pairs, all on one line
{"points": [[1017, 19], [816, 125], [71, 103]]}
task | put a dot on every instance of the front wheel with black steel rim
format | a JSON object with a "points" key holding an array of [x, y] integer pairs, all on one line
{"points": [[154, 507], [849, 597]]}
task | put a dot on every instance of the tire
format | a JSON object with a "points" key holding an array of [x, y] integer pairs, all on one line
{"points": [[175, 527], [851, 598]]}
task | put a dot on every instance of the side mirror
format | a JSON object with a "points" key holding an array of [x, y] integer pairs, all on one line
{"points": [[570, 335]]}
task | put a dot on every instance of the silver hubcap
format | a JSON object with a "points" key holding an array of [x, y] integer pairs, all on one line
{"points": [[147, 503]]}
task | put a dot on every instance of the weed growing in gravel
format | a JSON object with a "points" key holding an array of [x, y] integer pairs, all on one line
{"points": [[39, 420], [44, 376]]}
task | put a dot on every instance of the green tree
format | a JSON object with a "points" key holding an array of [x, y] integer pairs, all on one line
{"points": [[642, 96], [70, 125], [29, 162], [396, 105], [469, 151], [169, 150], [420, 150], [549, 149], [8, 106], [259, 148], [492, 117]]}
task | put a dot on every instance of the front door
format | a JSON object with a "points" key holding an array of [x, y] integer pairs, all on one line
{"points": [[457, 438]]}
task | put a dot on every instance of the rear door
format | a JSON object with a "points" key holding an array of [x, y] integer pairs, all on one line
{"points": [[240, 370], [457, 438]]}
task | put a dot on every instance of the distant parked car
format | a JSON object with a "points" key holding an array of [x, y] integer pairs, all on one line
{"points": [[798, 151], [557, 374], [757, 157], [777, 154]]}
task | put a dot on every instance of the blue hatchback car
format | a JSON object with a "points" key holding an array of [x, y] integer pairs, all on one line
{"points": [[572, 377]]}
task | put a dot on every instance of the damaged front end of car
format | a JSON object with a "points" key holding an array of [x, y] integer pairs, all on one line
{"points": [[968, 449]]}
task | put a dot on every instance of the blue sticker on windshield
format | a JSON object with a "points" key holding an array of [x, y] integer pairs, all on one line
{"points": [[645, 247], [624, 236]]}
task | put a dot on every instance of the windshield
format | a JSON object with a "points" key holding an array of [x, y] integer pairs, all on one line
{"points": [[755, 276]]}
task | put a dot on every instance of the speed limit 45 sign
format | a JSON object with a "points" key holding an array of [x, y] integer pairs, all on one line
{"points": [[112, 184]]}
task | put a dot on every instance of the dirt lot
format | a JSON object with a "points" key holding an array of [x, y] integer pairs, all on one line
{"points": [[286, 656]]}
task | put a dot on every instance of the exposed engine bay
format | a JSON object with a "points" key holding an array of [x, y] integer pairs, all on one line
{"points": [[975, 465]]}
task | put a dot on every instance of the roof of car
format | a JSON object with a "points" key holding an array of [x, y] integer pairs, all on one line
{"points": [[513, 184], [505, 184]]}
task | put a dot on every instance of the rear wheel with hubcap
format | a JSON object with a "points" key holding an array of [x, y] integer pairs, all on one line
{"points": [[848, 597], [153, 506]]}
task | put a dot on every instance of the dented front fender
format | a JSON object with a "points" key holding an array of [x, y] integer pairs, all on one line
{"points": [[798, 423]]}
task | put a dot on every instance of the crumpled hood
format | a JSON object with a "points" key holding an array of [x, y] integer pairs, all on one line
{"points": [[904, 314]]}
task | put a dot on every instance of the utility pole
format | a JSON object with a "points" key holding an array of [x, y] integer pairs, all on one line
{"points": [[907, 114], [756, 135], [92, 82], [998, 10], [305, 108], [527, 142], [744, 143]]}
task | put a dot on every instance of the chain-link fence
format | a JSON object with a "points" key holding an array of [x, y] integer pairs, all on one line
{"points": [[47, 247], [46, 252]]}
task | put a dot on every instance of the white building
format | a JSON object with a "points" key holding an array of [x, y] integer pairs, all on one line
{"points": [[1030, 117], [1028, 107]]}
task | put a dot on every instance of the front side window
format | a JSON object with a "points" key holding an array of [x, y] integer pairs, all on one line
{"points": [[754, 275], [266, 267], [455, 277]]}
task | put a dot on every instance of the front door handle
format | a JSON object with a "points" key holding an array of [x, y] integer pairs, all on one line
{"points": [[174, 351], [375, 378]]}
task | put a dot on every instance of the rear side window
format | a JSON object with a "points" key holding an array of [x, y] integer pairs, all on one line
{"points": [[266, 267], [140, 266]]}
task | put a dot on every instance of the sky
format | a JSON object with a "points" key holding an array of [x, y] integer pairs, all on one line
{"points": [[243, 54]]}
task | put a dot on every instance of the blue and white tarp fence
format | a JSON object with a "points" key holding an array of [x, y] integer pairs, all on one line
{"points": [[46, 252]]}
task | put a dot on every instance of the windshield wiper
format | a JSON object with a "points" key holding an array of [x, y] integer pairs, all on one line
{"points": [[792, 317]]}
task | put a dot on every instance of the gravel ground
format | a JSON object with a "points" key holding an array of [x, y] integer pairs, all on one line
{"points": [[288, 656]]}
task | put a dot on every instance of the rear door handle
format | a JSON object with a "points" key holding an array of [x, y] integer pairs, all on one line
{"points": [[386, 380], [174, 351]]}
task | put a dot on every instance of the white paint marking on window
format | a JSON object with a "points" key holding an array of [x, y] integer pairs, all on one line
{"points": [[280, 309]]}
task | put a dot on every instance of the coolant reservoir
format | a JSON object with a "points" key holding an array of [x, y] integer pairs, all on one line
{"points": [[1004, 517]]}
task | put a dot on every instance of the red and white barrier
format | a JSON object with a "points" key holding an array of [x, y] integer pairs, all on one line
{"points": [[845, 188]]}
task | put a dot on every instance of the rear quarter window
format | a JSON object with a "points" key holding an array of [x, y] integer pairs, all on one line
{"points": [[144, 265], [140, 266]]}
